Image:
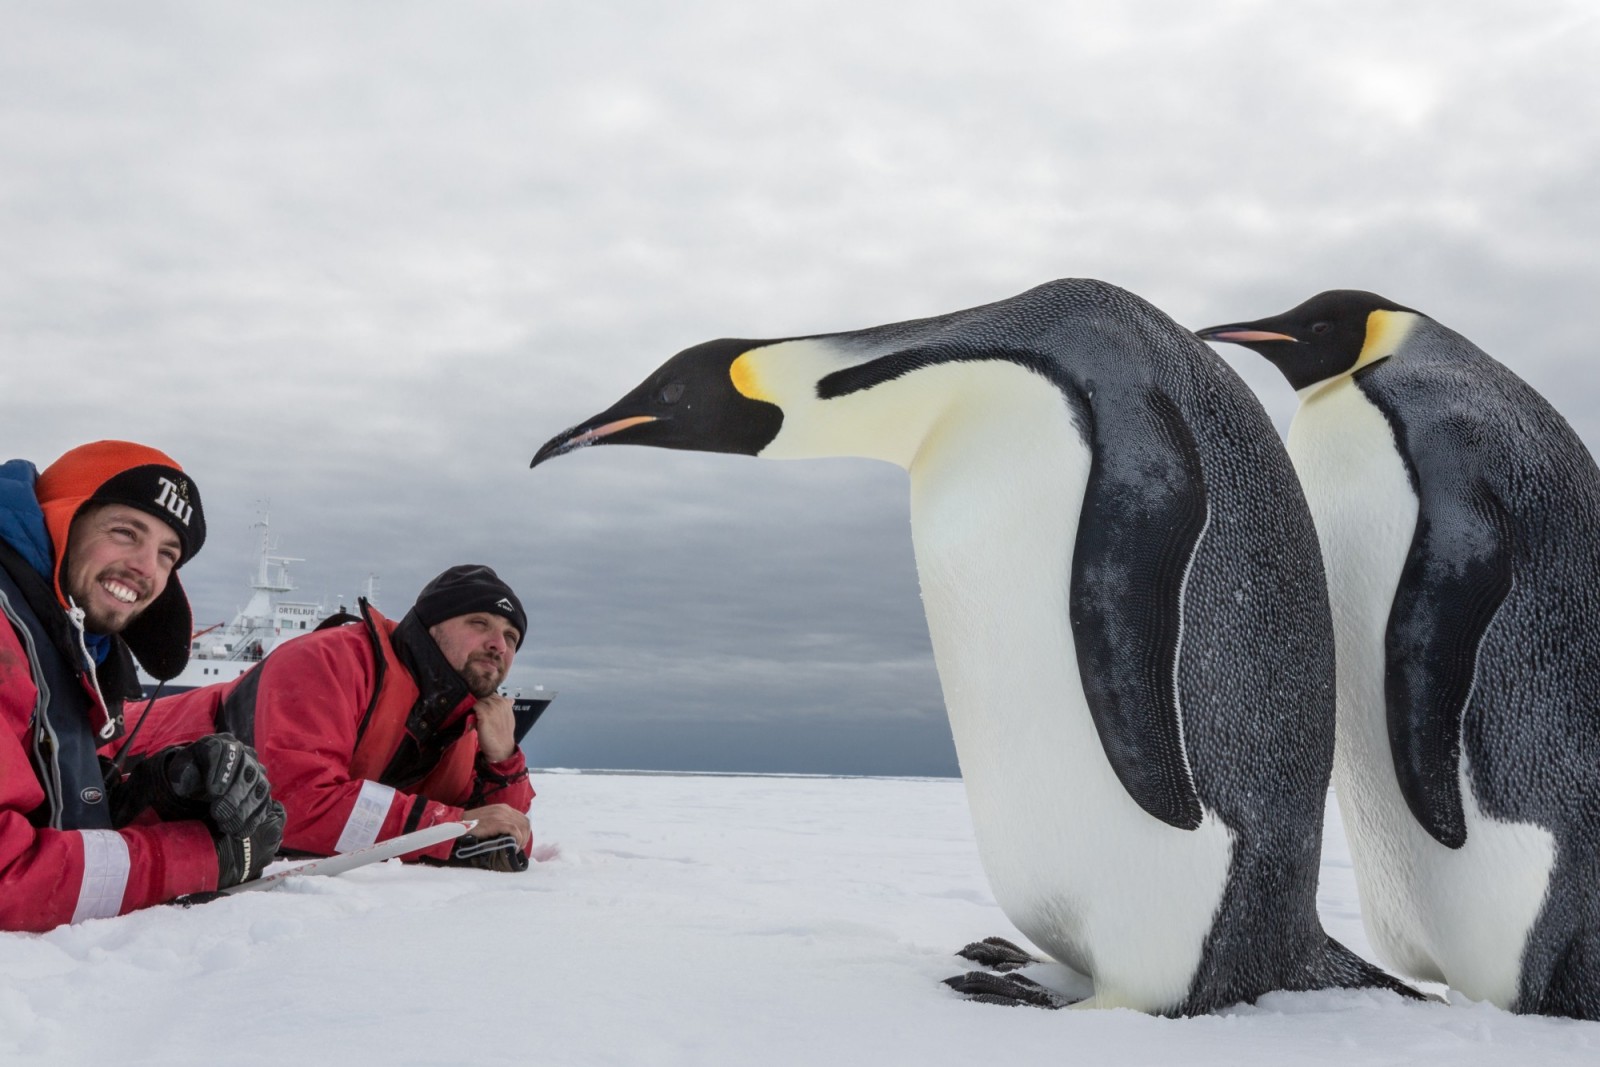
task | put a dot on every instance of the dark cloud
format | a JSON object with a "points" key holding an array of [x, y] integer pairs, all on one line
{"points": [[360, 261]]}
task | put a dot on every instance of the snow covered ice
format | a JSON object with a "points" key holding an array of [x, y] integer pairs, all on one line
{"points": [[684, 920]]}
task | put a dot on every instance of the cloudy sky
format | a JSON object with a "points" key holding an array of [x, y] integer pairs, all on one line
{"points": [[356, 261]]}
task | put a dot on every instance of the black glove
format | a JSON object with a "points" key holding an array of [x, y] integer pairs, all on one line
{"points": [[491, 853], [217, 779], [241, 857]]}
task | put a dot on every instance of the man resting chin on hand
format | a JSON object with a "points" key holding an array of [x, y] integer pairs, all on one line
{"points": [[374, 729]]}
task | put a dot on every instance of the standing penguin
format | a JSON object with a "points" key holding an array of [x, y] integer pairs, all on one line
{"points": [[1127, 610], [1459, 517]]}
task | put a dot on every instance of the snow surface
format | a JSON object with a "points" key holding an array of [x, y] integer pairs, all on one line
{"points": [[683, 920]]}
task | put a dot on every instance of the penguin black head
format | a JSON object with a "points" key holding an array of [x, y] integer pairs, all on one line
{"points": [[862, 393], [696, 400], [1330, 335]]}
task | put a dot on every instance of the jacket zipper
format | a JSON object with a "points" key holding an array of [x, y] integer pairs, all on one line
{"points": [[75, 613]]}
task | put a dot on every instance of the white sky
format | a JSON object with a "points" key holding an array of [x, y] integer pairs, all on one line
{"points": [[361, 259]]}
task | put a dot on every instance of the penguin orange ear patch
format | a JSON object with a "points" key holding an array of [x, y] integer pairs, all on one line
{"points": [[1386, 331], [742, 372]]}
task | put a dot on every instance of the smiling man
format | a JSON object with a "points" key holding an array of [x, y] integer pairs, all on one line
{"points": [[89, 553], [373, 728]]}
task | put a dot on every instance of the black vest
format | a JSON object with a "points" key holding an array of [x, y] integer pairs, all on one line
{"points": [[61, 740]]}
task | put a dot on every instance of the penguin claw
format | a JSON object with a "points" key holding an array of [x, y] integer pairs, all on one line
{"points": [[1011, 990], [998, 954]]}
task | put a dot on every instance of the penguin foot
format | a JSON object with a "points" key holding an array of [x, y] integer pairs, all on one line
{"points": [[1011, 990], [998, 954]]}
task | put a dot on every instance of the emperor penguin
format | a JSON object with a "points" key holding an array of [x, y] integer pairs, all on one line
{"points": [[1459, 517], [1127, 611]]}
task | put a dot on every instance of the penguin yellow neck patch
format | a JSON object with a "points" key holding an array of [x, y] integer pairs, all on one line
{"points": [[1386, 332], [743, 374]]}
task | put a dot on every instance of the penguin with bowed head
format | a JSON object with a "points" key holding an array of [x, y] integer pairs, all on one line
{"points": [[1459, 517], [1128, 616]]}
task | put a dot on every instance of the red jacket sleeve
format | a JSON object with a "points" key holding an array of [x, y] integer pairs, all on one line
{"points": [[506, 781], [171, 720], [50, 877], [309, 702]]}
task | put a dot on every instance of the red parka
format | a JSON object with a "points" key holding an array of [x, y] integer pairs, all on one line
{"points": [[348, 740]]}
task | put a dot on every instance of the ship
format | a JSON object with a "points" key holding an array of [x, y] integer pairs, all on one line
{"points": [[271, 618]]}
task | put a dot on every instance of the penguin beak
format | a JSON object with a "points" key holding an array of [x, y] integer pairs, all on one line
{"points": [[586, 433], [689, 402], [1242, 335]]}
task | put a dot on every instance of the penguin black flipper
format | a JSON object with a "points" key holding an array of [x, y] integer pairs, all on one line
{"points": [[1455, 577], [1144, 511]]}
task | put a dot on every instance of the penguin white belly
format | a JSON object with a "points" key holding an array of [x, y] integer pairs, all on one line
{"points": [[1075, 863], [1459, 916]]}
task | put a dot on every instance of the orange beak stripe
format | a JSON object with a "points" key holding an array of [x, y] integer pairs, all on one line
{"points": [[1246, 336], [608, 429]]}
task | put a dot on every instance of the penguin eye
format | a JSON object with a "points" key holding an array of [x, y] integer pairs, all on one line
{"points": [[671, 393], [1321, 327]]}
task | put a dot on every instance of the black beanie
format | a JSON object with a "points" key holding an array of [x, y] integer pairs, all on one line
{"points": [[165, 493], [466, 588]]}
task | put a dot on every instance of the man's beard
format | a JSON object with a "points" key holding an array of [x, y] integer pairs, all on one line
{"points": [[97, 620], [483, 676], [97, 623]]}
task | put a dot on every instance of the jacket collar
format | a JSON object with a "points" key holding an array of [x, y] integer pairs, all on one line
{"points": [[442, 692]]}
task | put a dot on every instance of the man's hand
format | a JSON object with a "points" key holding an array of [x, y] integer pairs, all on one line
{"points": [[497, 819], [496, 726], [489, 854], [242, 856], [217, 779]]}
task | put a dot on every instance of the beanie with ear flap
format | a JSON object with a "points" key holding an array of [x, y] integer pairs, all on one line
{"points": [[148, 480]]}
